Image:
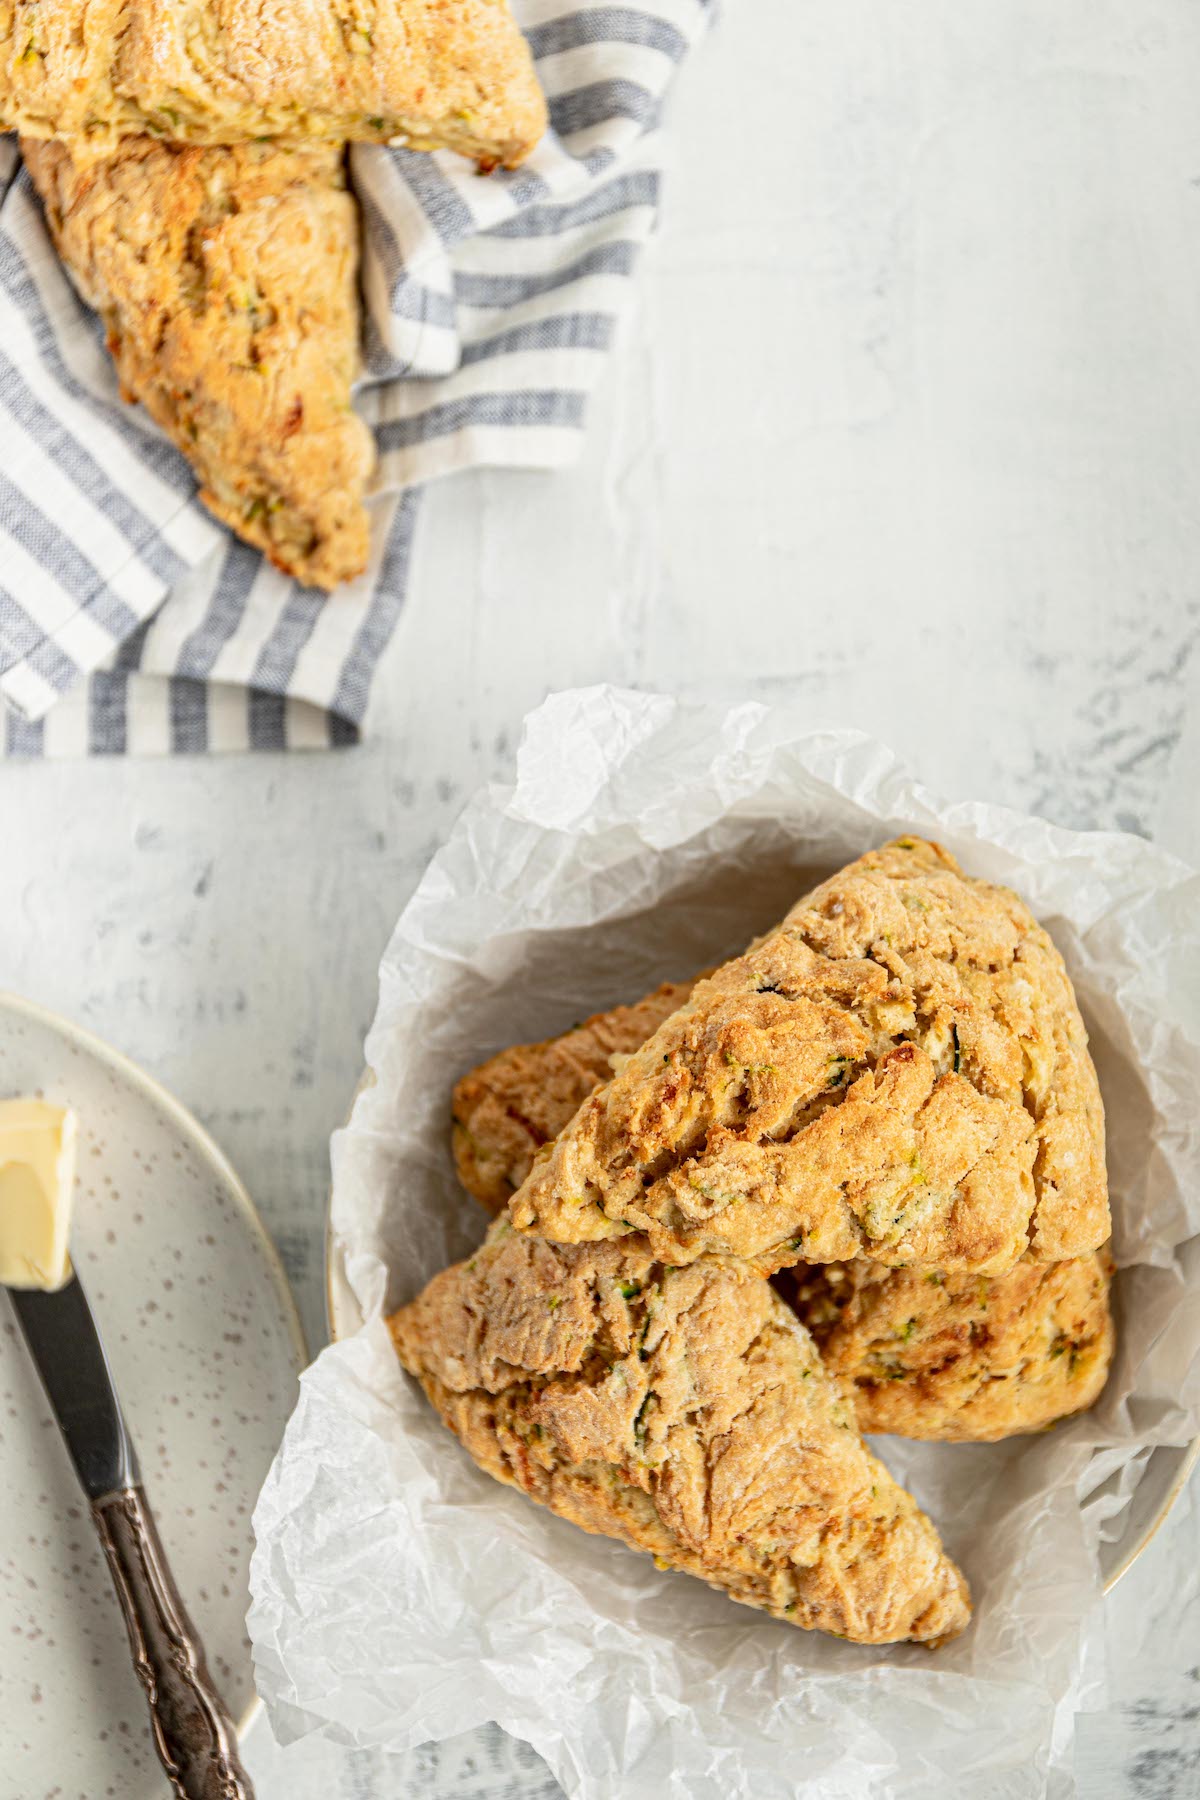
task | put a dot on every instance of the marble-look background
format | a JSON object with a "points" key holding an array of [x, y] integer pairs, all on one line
{"points": [[907, 428]]}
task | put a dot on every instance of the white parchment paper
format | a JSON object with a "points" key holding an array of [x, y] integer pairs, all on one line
{"points": [[400, 1595]]}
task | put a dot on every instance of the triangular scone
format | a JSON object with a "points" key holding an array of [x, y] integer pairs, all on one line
{"points": [[424, 72], [961, 1356], [227, 281], [899, 1071], [685, 1412]]}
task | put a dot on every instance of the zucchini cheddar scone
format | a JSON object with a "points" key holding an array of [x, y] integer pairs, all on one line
{"points": [[686, 1412], [423, 72], [227, 280], [959, 1357], [898, 1072]]}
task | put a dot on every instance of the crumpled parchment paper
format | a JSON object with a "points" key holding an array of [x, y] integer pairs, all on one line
{"points": [[400, 1595]]}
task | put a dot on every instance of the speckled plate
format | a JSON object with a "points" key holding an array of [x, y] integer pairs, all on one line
{"points": [[206, 1346]]}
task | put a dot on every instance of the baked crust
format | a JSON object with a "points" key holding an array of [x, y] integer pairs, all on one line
{"points": [[898, 1072], [505, 1110], [227, 280], [685, 1412], [961, 1357], [450, 73]]}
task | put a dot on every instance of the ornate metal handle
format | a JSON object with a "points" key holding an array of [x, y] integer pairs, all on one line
{"points": [[192, 1731]]}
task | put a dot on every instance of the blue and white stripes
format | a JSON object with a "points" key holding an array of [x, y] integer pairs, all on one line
{"points": [[129, 621]]}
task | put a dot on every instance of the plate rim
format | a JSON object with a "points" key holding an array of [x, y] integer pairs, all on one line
{"points": [[91, 1042], [343, 1318]]}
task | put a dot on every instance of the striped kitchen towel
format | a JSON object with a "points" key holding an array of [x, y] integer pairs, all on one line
{"points": [[129, 620]]}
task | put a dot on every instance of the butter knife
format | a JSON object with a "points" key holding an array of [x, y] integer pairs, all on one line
{"points": [[193, 1735]]}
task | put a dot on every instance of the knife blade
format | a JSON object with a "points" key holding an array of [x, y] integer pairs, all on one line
{"points": [[195, 1740], [65, 1345]]}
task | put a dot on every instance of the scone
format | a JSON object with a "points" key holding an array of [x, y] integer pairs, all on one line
{"points": [[961, 1356], [227, 280], [507, 1108], [423, 72], [929, 1355], [898, 1072], [685, 1412]]}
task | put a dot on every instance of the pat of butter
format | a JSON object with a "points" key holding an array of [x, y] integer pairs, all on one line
{"points": [[37, 1185]]}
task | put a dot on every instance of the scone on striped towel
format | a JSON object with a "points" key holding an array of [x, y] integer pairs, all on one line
{"points": [[422, 72], [227, 281], [685, 1412]]}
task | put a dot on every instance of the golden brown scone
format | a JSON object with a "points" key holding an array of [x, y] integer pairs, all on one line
{"points": [[961, 1356], [898, 1072], [508, 1107], [227, 281], [978, 1357], [685, 1412], [430, 73], [929, 1355]]}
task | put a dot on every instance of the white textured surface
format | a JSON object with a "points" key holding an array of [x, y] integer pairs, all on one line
{"points": [[907, 426]]}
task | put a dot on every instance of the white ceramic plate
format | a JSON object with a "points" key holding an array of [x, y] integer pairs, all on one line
{"points": [[206, 1346]]}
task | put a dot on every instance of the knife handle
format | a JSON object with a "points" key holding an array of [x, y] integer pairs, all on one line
{"points": [[192, 1731]]}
